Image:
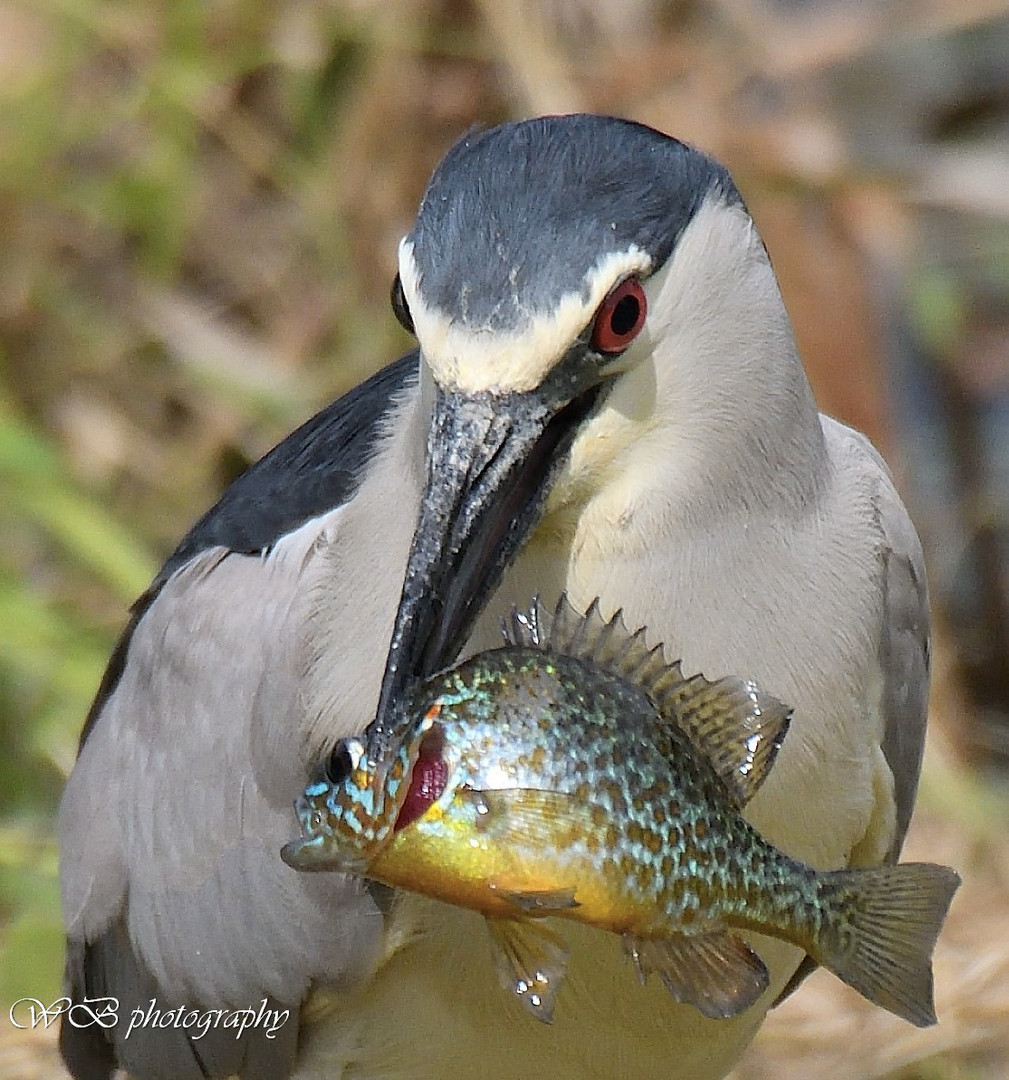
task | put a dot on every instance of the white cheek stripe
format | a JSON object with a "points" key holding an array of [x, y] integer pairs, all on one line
{"points": [[469, 360]]}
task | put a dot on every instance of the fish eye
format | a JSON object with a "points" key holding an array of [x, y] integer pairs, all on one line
{"points": [[340, 763]]}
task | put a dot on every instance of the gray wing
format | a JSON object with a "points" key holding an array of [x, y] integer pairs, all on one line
{"points": [[904, 655], [316, 468], [173, 817], [905, 650]]}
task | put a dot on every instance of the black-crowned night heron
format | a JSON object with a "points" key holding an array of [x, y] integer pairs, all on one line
{"points": [[606, 398]]}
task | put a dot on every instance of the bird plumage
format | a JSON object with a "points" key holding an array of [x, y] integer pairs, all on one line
{"points": [[704, 494]]}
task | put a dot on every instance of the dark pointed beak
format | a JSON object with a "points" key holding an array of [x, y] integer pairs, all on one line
{"points": [[490, 462]]}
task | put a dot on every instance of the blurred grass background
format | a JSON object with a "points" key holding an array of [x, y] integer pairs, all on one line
{"points": [[199, 210]]}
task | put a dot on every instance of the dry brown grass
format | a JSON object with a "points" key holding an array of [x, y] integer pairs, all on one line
{"points": [[826, 1030]]}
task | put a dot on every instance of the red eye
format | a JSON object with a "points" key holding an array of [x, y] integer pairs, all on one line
{"points": [[620, 317]]}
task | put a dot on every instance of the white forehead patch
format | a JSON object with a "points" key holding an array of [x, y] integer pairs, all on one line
{"points": [[471, 360]]}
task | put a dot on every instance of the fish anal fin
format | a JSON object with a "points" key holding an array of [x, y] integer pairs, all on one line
{"points": [[715, 971], [530, 960], [735, 725]]}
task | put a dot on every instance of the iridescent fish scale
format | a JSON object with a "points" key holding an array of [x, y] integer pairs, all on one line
{"points": [[513, 698], [574, 773]]}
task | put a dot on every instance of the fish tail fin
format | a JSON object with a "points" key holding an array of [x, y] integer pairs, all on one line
{"points": [[880, 929]]}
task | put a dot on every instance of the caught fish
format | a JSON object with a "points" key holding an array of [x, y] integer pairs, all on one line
{"points": [[575, 773]]}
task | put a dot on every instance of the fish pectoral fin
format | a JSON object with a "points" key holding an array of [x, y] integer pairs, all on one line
{"points": [[530, 960], [715, 971], [538, 901], [528, 816]]}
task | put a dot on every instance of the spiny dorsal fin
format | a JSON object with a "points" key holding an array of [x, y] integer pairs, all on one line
{"points": [[734, 724], [738, 726], [524, 627], [607, 644]]}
